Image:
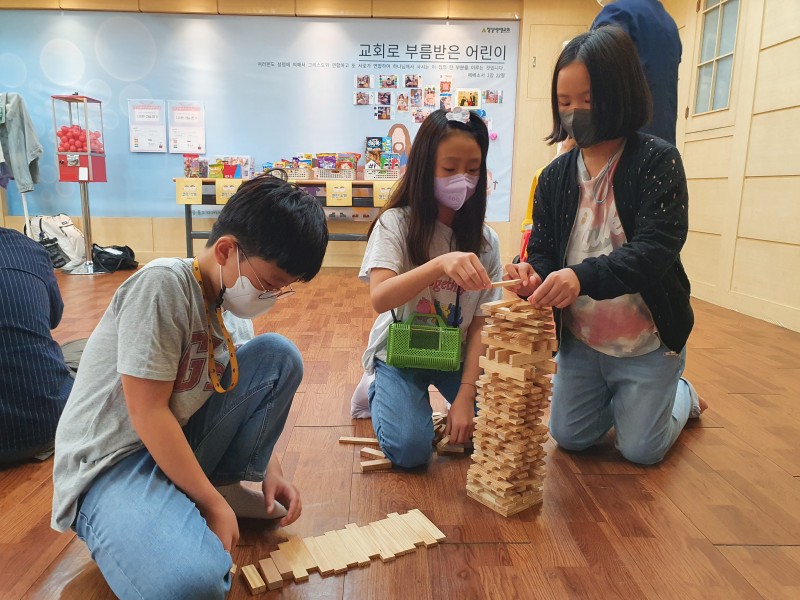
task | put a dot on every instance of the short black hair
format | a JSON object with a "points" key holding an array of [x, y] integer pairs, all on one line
{"points": [[620, 101], [276, 221]]}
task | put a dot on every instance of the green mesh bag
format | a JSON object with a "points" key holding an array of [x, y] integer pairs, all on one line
{"points": [[414, 345]]}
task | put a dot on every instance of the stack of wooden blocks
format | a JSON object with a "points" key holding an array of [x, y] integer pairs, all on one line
{"points": [[337, 551], [507, 473]]}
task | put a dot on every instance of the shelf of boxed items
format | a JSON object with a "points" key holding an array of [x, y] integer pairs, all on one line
{"points": [[347, 223]]}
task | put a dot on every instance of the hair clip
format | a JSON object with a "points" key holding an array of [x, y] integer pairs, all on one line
{"points": [[458, 114]]}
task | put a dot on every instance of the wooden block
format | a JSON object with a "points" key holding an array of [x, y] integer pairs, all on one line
{"points": [[517, 360], [507, 283], [406, 542], [253, 580], [367, 543], [371, 453], [443, 442], [361, 441], [386, 553], [398, 546], [324, 564], [298, 557], [427, 524], [270, 573], [282, 563], [409, 532], [505, 370], [497, 304], [324, 544], [412, 522], [380, 464], [451, 450], [502, 355], [342, 552], [353, 547], [306, 558], [233, 569]]}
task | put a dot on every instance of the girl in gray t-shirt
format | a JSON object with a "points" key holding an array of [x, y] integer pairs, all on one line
{"points": [[430, 252]]}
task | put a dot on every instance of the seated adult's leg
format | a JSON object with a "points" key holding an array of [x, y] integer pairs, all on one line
{"points": [[580, 413], [651, 403], [148, 538], [401, 414], [233, 434]]}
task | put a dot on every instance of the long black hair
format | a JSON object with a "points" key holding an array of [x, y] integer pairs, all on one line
{"points": [[415, 189]]}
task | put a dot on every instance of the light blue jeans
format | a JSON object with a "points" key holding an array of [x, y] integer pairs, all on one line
{"points": [[147, 537], [401, 410], [644, 398]]}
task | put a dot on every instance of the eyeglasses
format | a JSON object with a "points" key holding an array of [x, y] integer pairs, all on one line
{"points": [[268, 294]]}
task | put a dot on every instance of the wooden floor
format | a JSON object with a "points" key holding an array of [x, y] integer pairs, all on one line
{"points": [[719, 518]]}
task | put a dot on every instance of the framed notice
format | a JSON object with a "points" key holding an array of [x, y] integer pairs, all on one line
{"points": [[187, 127], [147, 125]]}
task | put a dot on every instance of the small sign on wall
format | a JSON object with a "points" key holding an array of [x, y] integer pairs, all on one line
{"points": [[188, 191]]}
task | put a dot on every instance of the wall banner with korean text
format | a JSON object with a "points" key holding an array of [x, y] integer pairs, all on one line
{"points": [[267, 88]]}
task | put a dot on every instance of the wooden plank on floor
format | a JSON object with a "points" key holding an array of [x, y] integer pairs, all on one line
{"points": [[270, 573]]}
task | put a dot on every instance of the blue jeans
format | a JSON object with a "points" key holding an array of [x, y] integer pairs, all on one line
{"points": [[644, 398], [401, 410], [147, 537]]}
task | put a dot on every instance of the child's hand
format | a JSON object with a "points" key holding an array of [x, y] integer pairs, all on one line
{"points": [[560, 289], [530, 279], [275, 487], [466, 270], [221, 519], [460, 420]]}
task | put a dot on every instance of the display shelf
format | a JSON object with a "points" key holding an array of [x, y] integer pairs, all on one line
{"points": [[358, 201]]}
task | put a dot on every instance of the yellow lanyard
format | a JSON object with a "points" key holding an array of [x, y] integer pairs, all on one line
{"points": [[212, 370]]}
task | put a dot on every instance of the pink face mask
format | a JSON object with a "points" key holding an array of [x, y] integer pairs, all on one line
{"points": [[455, 190]]}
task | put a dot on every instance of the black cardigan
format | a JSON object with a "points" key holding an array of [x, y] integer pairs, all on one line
{"points": [[652, 202]]}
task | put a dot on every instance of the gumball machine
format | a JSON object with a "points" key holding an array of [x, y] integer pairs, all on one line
{"points": [[81, 158]]}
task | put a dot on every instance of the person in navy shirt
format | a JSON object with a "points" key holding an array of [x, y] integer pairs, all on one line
{"points": [[35, 380], [656, 38]]}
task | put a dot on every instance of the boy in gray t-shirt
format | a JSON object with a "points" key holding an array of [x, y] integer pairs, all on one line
{"points": [[167, 418]]}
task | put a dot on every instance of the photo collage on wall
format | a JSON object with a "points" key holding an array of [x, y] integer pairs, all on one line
{"points": [[393, 96]]}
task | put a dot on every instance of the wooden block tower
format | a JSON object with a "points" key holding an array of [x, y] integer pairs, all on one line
{"points": [[507, 473]]}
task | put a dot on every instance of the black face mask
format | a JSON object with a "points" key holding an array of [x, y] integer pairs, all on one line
{"points": [[578, 125]]}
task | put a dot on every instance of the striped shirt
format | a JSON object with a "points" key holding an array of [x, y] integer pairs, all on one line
{"points": [[34, 379]]}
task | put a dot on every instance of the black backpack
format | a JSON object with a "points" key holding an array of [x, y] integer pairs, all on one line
{"points": [[114, 258]]}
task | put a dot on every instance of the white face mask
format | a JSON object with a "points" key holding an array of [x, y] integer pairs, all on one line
{"points": [[242, 298]]}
